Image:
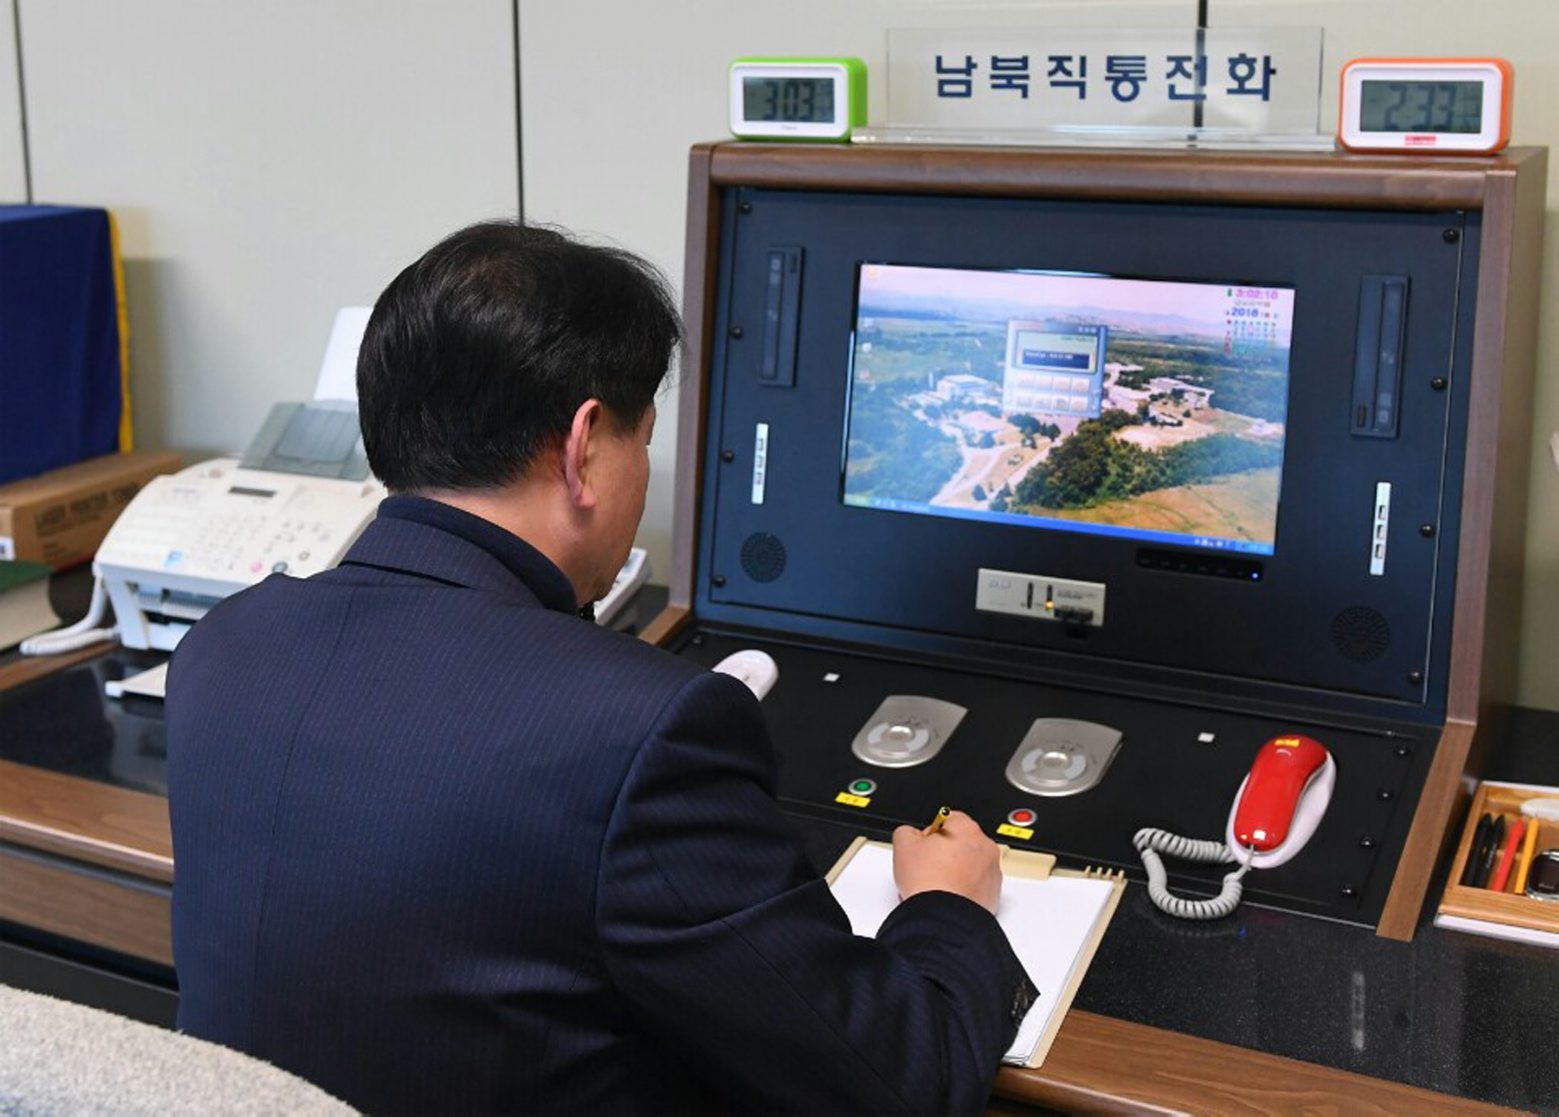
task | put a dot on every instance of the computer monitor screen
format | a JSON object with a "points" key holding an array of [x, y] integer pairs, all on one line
{"points": [[1146, 409]]}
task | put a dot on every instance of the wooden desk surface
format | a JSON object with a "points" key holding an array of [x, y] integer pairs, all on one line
{"points": [[1097, 1064], [1100, 1065], [86, 821]]}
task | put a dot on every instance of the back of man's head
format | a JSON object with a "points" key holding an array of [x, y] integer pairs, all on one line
{"points": [[477, 356]]}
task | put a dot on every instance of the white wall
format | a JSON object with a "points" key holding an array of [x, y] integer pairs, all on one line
{"points": [[1526, 32], [615, 91], [268, 163], [13, 181]]}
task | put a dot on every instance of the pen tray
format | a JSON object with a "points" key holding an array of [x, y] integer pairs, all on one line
{"points": [[1502, 907]]}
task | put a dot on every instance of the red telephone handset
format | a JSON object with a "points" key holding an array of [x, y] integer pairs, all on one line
{"points": [[1282, 800], [1277, 808]]}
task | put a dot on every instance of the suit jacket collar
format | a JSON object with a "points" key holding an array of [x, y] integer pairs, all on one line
{"points": [[425, 538]]}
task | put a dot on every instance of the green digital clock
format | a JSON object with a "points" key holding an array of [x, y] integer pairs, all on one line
{"points": [[797, 98]]}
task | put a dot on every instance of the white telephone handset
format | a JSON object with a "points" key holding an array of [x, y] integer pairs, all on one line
{"points": [[634, 573]]}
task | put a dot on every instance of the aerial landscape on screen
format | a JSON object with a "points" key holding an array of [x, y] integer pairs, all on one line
{"points": [[1151, 409]]}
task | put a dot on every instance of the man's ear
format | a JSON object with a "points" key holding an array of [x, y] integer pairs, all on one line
{"points": [[579, 453]]}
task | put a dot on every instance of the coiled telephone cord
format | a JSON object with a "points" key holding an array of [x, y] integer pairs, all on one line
{"points": [[1151, 843], [79, 635]]}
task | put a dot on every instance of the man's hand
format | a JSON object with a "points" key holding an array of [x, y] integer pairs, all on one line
{"points": [[958, 858]]}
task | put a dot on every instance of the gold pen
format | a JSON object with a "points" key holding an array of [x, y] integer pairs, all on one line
{"points": [[941, 817]]}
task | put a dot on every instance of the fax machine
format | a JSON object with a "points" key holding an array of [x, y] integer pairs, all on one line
{"points": [[292, 505]]}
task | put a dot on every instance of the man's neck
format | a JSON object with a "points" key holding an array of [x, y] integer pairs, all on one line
{"points": [[520, 509]]}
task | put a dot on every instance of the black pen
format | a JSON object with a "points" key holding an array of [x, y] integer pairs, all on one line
{"points": [[1486, 866], [1476, 852]]}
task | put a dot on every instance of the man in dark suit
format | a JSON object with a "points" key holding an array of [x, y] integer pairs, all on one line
{"points": [[444, 845]]}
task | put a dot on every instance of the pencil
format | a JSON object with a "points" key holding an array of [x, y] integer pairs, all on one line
{"points": [[941, 817], [1528, 848]]}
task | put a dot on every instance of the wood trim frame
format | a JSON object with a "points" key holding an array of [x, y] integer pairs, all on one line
{"points": [[25, 669], [666, 624], [700, 270], [1486, 622], [109, 827], [1348, 181], [86, 861], [112, 910], [1509, 192], [1087, 1072]]}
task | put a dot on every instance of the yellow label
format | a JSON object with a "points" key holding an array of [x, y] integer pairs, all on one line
{"points": [[851, 800], [1008, 830]]}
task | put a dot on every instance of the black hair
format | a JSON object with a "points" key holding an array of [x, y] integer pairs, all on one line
{"points": [[477, 356]]}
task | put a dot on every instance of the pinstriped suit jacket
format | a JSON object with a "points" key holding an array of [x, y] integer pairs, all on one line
{"points": [[442, 846]]}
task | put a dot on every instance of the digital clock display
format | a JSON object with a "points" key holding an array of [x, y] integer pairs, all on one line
{"points": [[1421, 106], [792, 100], [796, 99]]}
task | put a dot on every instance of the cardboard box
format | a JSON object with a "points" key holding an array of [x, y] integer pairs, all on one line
{"points": [[60, 517]]}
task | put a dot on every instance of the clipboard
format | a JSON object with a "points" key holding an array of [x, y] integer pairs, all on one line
{"points": [[1054, 932]]}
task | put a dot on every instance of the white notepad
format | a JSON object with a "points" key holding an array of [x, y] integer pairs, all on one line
{"points": [[1054, 920]]}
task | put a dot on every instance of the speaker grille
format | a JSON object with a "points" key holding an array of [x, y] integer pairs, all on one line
{"points": [[1360, 633], [763, 556]]}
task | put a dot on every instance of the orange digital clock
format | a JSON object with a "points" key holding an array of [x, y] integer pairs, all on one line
{"points": [[1440, 106]]}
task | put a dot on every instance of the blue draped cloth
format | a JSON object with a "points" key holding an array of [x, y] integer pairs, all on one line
{"points": [[62, 381]]}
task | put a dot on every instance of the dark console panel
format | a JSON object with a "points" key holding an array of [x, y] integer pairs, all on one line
{"points": [[1200, 423], [1177, 766], [1058, 484]]}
